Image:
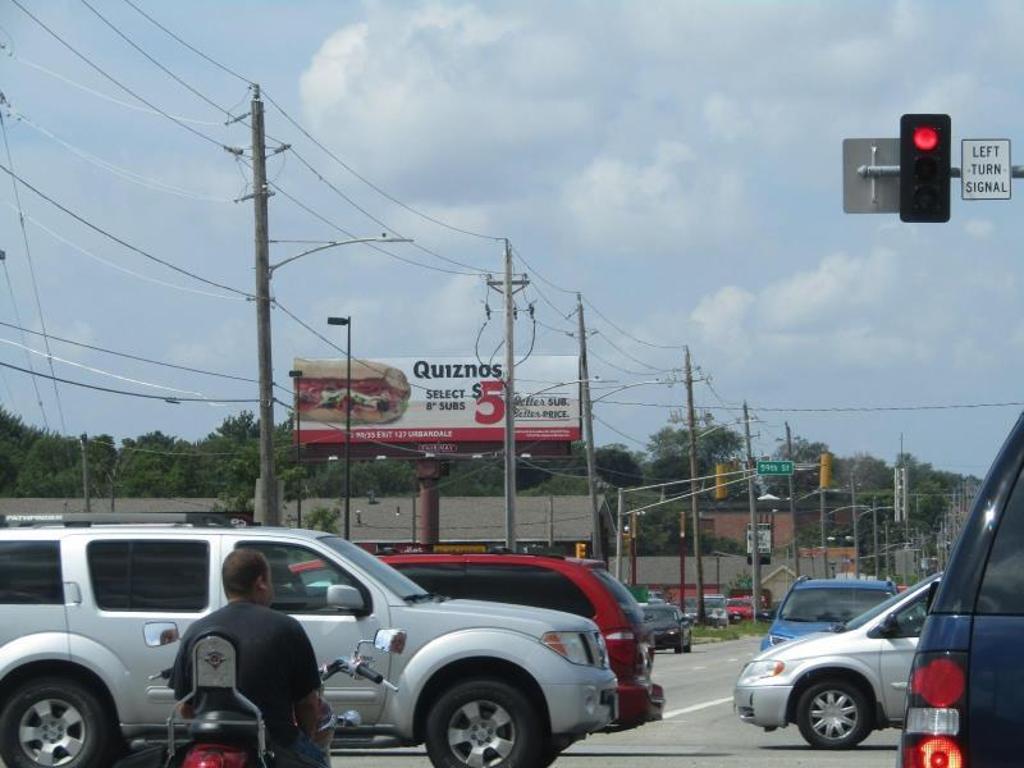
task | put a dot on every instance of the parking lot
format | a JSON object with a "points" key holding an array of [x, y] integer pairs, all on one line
{"points": [[699, 728]]}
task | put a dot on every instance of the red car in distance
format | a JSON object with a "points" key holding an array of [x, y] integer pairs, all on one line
{"points": [[740, 609]]}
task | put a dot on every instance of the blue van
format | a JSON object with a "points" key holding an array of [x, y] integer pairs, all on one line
{"points": [[818, 605], [965, 703]]}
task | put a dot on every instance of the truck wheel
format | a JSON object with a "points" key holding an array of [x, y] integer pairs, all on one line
{"points": [[833, 714], [55, 722], [484, 723]]}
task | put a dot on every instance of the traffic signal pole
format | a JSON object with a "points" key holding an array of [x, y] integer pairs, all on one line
{"points": [[755, 560]]}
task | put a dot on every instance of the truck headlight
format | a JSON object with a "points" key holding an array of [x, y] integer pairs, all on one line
{"points": [[571, 645], [757, 671]]}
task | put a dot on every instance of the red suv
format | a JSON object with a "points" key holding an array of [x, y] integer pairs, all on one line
{"points": [[583, 587]]}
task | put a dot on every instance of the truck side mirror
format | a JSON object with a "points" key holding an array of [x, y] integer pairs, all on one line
{"points": [[345, 598]]}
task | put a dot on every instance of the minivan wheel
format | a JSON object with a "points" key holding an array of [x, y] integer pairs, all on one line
{"points": [[54, 722], [483, 723], [833, 714]]}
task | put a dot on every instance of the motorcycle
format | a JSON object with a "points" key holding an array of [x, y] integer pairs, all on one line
{"points": [[229, 731]]}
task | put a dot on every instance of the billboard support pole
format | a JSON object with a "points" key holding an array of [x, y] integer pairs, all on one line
{"points": [[597, 551]]}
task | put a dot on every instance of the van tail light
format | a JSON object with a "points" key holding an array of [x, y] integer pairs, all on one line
{"points": [[935, 727], [215, 756]]}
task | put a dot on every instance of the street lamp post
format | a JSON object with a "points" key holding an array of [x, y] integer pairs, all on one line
{"points": [[347, 322], [297, 377], [268, 511]]}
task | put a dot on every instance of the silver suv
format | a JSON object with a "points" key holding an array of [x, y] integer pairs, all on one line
{"points": [[87, 614], [838, 687]]}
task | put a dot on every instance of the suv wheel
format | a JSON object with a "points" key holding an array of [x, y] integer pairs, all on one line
{"points": [[483, 723], [679, 645], [54, 722], [833, 714]]}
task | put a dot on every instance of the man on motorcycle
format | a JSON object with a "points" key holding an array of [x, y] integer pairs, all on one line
{"points": [[277, 668]]}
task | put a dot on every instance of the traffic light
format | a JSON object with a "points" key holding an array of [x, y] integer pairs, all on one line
{"points": [[581, 549], [924, 167], [825, 474], [721, 489]]}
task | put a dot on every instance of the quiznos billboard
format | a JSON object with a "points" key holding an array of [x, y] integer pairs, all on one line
{"points": [[436, 399]]}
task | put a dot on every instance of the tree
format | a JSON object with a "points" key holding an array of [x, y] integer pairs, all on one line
{"points": [[618, 466]]}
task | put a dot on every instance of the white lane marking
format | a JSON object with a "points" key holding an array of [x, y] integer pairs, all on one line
{"points": [[695, 708], [695, 669], [733, 659]]}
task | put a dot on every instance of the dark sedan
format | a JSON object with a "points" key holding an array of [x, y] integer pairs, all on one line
{"points": [[668, 626]]}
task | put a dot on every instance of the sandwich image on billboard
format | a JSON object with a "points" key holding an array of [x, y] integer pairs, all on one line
{"points": [[437, 399], [380, 393]]}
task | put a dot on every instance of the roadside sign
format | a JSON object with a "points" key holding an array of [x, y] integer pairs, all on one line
{"points": [[764, 539], [986, 169], [775, 467], [865, 195]]}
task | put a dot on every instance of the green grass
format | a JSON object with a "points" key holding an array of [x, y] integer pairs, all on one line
{"points": [[732, 632]]}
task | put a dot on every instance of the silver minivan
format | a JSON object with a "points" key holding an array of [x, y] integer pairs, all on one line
{"points": [[838, 686]]}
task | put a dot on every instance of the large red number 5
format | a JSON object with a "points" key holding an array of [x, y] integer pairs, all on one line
{"points": [[490, 394]]}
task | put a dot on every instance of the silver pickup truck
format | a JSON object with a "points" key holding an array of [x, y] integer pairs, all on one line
{"points": [[87, 614]]}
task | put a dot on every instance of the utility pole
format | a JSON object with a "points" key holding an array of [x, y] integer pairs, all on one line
{"points": [[691, 422], [509, 287], [84, 442], [856, 538], [618, 535], [824, 542], [597, 551], [267, 511], [792, 505], [754, 537], [874, 527]]}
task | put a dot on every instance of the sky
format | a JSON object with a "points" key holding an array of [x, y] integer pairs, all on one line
{"points": [[678, 163]]}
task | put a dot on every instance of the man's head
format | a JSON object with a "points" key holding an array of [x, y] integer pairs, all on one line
{"points": [[246, 576]]}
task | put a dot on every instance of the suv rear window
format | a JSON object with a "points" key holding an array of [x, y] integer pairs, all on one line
{"points": [[830, 604], [150, 575], [1002, 588], [525, 585], [30, 573], [627, 603]]}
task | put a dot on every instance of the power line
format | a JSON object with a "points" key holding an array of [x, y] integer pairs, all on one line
{"points": [[122, 86], [373, 218], [138, 275], [126, 393], [339, 228], [624, 353], [116, 170], [639, 442], [629, 335], [310, 137], [156, 63], [31, 268], [99, 371], [118, 240], [186, 44], [840, 409], [138, 358], [100, 94]]}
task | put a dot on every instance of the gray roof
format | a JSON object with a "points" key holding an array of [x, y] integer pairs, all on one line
{"points": [[390, 519]]}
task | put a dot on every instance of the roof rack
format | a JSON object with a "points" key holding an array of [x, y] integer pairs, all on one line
{"points": [[206, 519]]}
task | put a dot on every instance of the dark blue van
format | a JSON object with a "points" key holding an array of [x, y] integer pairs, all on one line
{"points": [[818, 605], [966, 691]]}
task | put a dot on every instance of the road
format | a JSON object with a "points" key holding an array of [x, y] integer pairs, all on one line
{"points": [[699, 728]]}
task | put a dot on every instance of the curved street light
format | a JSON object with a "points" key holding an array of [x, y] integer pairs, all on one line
{"points": [[267, 511]]}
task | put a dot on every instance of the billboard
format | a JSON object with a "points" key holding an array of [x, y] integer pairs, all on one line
{"points": [[436, 400]]}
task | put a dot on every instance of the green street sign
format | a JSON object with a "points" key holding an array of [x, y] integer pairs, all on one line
{"points": [[775, 467]]}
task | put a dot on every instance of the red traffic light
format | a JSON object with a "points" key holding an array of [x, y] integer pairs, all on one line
{"points": [[926, 138]]}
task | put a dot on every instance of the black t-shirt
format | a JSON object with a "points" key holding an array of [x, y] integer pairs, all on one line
{"points": [[276, 663]]}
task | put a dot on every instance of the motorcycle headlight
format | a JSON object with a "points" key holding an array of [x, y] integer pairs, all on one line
{"points": [[571, 645], [757, 671]]}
